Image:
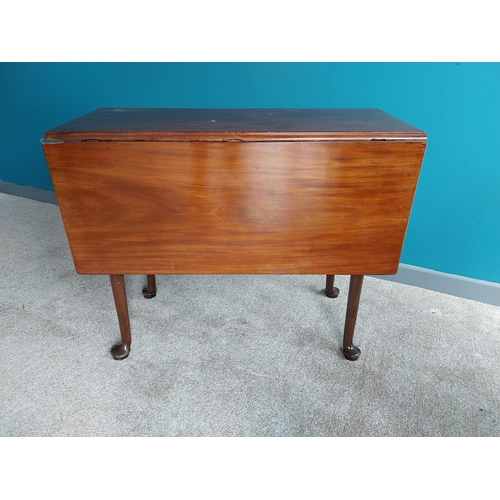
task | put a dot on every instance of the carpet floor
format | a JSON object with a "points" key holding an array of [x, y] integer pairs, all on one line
{"points": [[231, 355]]}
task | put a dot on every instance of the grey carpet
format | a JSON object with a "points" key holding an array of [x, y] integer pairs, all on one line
{"points": [[231, 355]]}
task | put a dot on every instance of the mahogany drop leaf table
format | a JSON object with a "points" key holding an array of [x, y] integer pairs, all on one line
{"points": [[235, 191]]}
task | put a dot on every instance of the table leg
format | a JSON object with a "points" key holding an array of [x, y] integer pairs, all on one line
{"points": [[331, 291], [150, 291], [352, 352], [122, 350]]}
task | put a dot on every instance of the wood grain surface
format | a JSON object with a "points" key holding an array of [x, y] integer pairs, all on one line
{"points": [[307, 207]]}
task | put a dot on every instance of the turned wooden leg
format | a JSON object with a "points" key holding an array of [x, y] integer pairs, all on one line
{"points": [[331, 291], [122, 350], [352, 352], [150, 291]]}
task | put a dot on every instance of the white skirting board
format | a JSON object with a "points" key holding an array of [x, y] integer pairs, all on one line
{"points": [[452, 284]]}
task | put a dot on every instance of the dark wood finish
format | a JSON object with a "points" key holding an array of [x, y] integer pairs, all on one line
{"points": [[122, 350], [330, 290], [150, 291], [124, 124], [352, 352], [244, 208], [217, 191]]}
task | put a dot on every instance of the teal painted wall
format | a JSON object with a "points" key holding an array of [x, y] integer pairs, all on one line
{"points": [[455, 222]]}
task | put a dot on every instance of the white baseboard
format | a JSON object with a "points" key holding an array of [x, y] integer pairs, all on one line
{"points": [[452, 284]]}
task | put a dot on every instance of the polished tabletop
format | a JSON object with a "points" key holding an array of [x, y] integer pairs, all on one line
{"points": [[173, 124]]}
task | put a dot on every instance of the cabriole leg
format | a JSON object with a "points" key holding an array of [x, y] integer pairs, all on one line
{"points": [[331, 291], [150, 291], [352, 352], [122, 350]]}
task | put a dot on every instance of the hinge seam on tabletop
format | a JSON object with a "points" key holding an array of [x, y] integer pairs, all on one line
{"points": [[58, 141]]}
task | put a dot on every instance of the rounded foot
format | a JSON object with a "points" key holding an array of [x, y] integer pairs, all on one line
{"points": [[334, 294], [148, 295], [120, 351], [352, 352]]}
